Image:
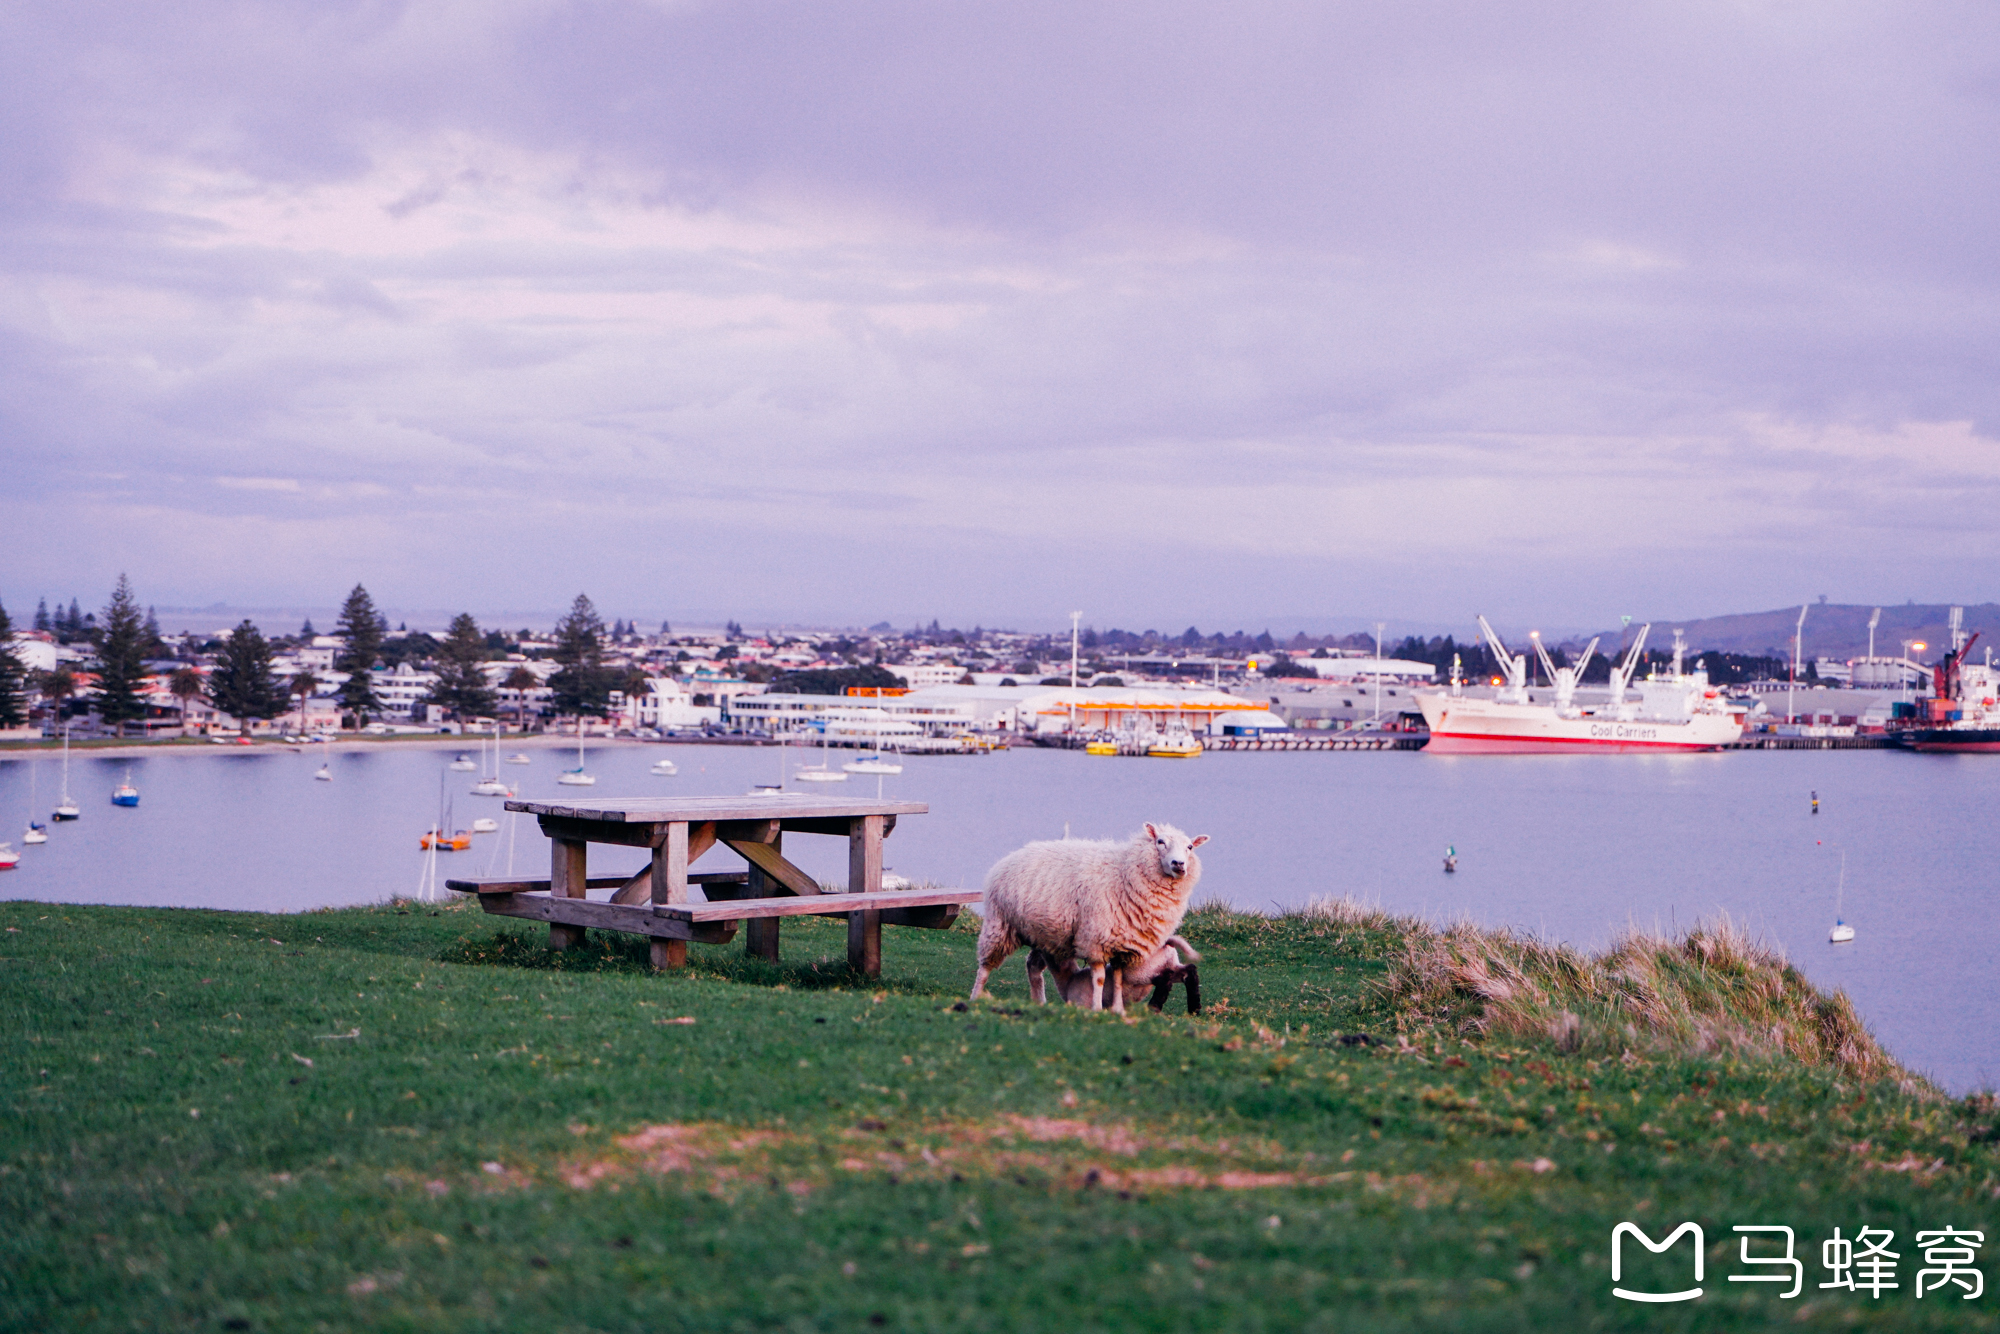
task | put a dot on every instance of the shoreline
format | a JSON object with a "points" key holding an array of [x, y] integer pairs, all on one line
{"points": [[133, 750]]}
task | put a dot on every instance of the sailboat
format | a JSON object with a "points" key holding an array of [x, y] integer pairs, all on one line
{"points": [[665, 767], [9, 858], [490, 785], [67, 809], [577, 777], [1842, 932], [463, 765], [518, 758], [823, 772], [36, 833], [325, 774], [125, 794]]}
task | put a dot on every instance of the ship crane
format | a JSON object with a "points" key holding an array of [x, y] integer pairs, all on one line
{"points": [[1565, 678], [1622, 673], [1513, 665]]}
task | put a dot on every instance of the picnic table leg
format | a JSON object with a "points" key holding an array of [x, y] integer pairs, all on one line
{"points": [[670, 877], [864, 876], [864, 942], [567, 879], [760, 934]]}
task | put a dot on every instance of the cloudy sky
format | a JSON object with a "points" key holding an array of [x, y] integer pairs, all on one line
{"points": [[1215, 314]]}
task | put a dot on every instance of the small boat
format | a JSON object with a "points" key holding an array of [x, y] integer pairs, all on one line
{"points": [[665, 768], [823, 772], [36, 833], [577, 777], [1100, 745], [518, 758], [490, 785], [457, 842], [766, 789], [67, 809], [485, 825], [9, 858], [1842, 932], [874, 764], [125, 794], [463, 765], [1176, 743], [1450, 859], [325, 774]]}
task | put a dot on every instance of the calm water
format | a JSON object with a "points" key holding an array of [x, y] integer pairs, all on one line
{"points": [[1574, 847]]}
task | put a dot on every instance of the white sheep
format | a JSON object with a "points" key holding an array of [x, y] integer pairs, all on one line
{"points": [[1166, 967], [1089, 901]]}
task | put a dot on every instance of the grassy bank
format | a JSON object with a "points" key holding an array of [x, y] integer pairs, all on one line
{"points": [[400, 1118]]}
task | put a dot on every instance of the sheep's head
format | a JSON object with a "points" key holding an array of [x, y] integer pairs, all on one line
{"points": [[1173, 848]]}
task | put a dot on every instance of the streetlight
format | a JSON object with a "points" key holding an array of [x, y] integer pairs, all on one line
{"points": [[1379, 627], [1075, 621]]}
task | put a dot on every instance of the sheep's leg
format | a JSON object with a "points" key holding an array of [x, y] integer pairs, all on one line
{"points": [[1193, 984], [1097, 986], [1037, 992], [996, 942], [1116, 989]]}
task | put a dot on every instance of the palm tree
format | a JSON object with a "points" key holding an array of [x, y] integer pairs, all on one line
{"points": [[184, 685], [57, 686], [303, 685], [521, 681]]}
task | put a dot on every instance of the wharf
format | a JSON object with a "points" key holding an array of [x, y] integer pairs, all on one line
{"points": [[1336, 741], [1812, 743]]}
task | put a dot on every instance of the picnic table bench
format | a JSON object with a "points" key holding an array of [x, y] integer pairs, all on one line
{"points": [[655, 901]]}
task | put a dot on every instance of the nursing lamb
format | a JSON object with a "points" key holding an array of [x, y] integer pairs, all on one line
{"points": [[1162, 972], [1089, 901]]}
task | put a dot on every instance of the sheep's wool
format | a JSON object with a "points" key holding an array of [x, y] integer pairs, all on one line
{"points": [[1088, 901]]}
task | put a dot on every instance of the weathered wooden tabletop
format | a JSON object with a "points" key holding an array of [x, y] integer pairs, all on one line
{"points": [[690, 810]]}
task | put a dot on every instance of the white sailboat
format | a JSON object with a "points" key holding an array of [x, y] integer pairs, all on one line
{"points": [[577, 777], [823, 772], [1842, 932], [490, 785], [665, 768], [518, 758], [463, 765], [67, 809], [325, 773], [36, 833]]}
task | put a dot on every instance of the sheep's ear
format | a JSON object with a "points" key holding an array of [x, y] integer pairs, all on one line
{"points": [[1197, 841], [1151, 832]]}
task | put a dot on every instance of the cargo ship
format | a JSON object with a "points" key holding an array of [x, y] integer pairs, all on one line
{"points": [[1962, 712], [1677, 712]]}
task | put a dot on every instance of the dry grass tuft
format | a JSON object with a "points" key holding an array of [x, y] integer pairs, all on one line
{"points": [[1715, 990]]}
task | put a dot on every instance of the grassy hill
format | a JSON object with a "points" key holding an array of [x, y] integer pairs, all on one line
{"points": [[400, 1118]]}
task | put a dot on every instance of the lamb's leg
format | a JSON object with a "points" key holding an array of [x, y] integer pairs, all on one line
{"points": [[1163, 987], [1037, 962], [1193, 984]]}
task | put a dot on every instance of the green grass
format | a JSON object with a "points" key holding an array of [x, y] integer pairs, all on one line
{"points": [[828, 1154]]}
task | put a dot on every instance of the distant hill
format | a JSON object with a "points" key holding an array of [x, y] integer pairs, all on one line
{"points": [[1833, 630]]}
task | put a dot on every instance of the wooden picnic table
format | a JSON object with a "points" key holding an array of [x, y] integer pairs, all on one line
{"points": [[679, 830]]}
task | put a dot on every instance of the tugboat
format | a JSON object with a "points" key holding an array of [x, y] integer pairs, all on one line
{"points": [[1962, 712]]}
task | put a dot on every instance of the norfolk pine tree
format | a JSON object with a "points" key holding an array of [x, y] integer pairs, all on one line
{"points": [[242, 685], [13, 678], [582, 686], [122, 642], [461, 685], [361, 625]]}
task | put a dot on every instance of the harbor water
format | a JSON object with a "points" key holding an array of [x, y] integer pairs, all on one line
{"points": [[1576, 848]]}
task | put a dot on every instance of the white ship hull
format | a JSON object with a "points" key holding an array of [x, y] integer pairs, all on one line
{"points": [[1462, 726]]}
